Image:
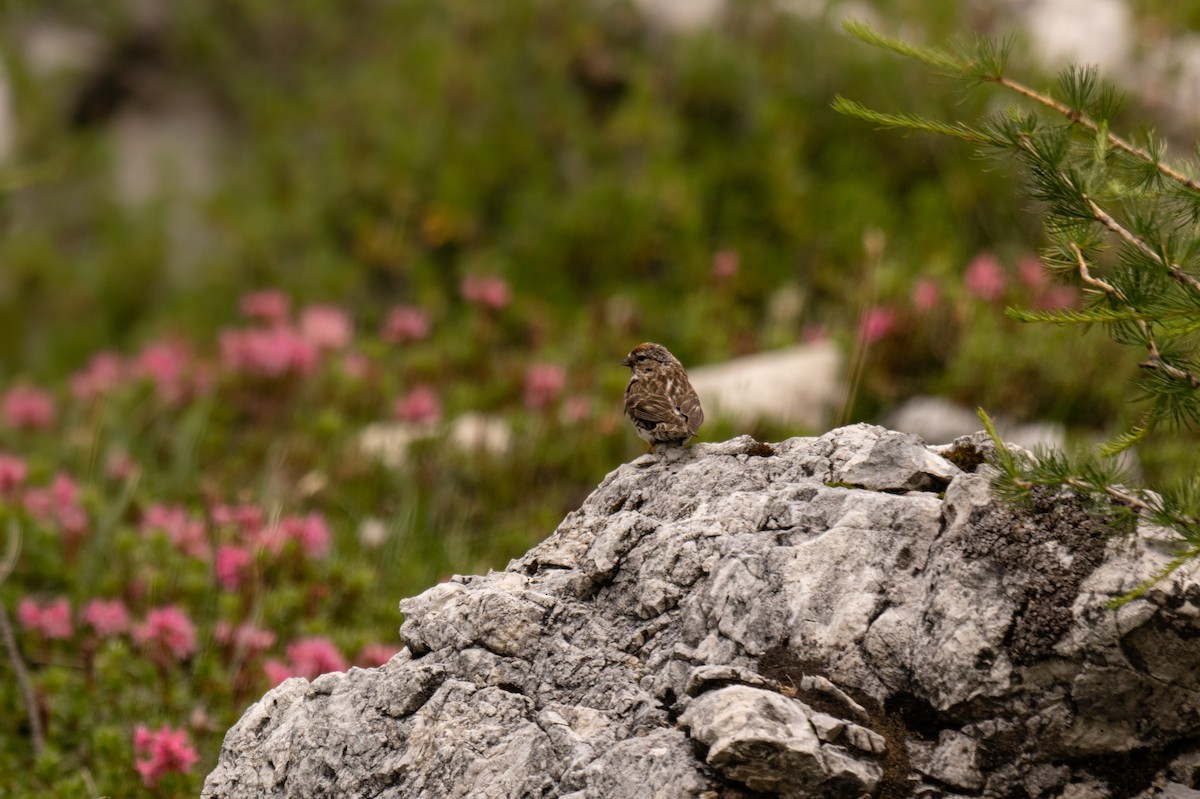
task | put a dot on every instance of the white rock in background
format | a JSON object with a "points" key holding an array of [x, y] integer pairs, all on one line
{"points": [[793, 386], [682, 15], [937, 420], [1081, 32]]}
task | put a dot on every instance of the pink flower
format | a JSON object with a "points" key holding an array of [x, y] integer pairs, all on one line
{"points": [[52, 621], [308, 658], [247, 519], [876, 324], [488, 291], [167, 631], [28, 408], [310, 532], [269, 306], [107, 617], [1059, 297], [246, 639], [189, 535], [59, 502], [926, 294], [356, 365], [164, 751], [103, 373], [312, 657], [13, 472], [231, 566], [375, 654], [326, 327], [543, 383], [725, 264], [164, 364], [577, 408], [269, 352], [421, 405], [1031, 272], [985, 277], [277, 671], [405, 323]]}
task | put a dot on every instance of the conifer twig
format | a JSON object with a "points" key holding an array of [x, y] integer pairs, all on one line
{"points": [[1156, 360], [1078, 117]]}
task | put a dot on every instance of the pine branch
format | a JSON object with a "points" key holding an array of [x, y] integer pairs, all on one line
{"points": [[909, 122], [1156, 360]]}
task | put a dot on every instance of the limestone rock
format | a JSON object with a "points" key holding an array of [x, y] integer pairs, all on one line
{"points": [[824, 617]]}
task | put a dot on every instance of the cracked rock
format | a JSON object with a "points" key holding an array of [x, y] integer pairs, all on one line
{"points": [[834, 616]]}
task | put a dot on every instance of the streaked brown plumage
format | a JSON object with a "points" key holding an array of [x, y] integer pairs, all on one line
{"points": [[659, 399]]}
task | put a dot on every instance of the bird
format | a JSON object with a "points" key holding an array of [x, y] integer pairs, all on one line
{"points": [[659, 399]]}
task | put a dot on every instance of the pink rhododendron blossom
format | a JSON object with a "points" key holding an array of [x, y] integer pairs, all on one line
{"points": [[405, 323], [375, 654], [312, 657], [104, 372], [28, 408], [1059, 297], [269, 352], [167, 631], [308, 658], [488, 291], [421, 405], [1031, 272], [164, 751], [926, 294], [725, 264], [247, 519], [59, 502], [188, 534], [985, 277], [246, 639], [165, 365], [576, 408], [326, 327], [310, 533], [268, 306], [107, 617], [543, 383], [231, 565], [356, 365], [51, 621], [13, 472], [876, 324], [277, 671]]}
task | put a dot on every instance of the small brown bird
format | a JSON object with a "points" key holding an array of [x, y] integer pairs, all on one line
{"points": [[659, 399]]}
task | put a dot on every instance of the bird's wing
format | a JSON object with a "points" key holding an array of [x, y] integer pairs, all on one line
{"points": [[651, 411], [689, 406]]}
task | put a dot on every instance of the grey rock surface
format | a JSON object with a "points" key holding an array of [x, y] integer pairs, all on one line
{"points": [[838, 616]]}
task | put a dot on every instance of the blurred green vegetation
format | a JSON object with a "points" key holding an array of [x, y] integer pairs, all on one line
{"points": [[374, 153]]}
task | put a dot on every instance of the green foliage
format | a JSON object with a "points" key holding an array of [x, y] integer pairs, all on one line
{"points": [[1122, 223]]}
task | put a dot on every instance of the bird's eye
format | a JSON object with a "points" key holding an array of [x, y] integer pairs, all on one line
{"points": [[641, 357]]}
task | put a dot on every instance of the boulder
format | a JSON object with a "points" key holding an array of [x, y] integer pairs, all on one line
{"points": [[843, 616]]}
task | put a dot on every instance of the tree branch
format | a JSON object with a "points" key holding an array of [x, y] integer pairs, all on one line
{"points": [[1078, 117], [1156, 360]]}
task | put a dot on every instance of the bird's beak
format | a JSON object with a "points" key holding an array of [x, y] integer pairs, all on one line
{"points": [[628, 361]]}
